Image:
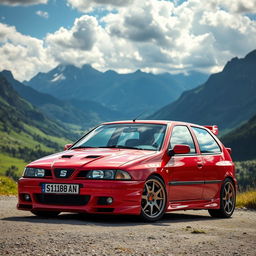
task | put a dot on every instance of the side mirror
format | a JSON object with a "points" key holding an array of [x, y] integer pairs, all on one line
{"points": [[179, 149], [67, 146]]}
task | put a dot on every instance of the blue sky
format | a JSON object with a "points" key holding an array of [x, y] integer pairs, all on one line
{"points": [[124, 35], [26, 21]]}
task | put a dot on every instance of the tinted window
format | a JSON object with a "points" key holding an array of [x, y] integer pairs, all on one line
{"points": [[206, 142], [182, 136]]}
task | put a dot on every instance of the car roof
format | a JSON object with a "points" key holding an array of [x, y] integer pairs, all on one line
{"points": [[149, 122]]}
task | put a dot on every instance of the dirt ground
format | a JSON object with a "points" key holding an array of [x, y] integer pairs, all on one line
{"points": [[178, 233]]}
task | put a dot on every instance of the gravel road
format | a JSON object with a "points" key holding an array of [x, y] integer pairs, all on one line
{"points": [[179, 233]]}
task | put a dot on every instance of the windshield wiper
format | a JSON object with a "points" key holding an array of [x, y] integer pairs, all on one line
{"points": [[113, 146], [120, 146], [83, 147]]}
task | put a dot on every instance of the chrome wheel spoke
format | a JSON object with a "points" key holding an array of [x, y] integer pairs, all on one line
{"points": [[157, 206], [147, 188], [144, 197], [228, 198], [151, 209], [153, 187], [158, 191], [145, 207]]}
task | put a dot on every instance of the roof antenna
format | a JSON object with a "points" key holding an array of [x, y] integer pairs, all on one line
{"points": [[134, 119]]}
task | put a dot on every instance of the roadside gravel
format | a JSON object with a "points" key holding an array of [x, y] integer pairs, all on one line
{"points": [[178, 233]]}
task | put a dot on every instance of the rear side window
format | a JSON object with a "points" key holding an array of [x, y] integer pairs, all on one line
{"points": [[206, 142], [182, 136]]}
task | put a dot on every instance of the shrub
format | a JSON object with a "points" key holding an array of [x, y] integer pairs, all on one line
{"points": [[8, 186], [246, 199]]}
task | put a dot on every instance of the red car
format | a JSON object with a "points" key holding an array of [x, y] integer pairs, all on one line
{"points": [[143, 168]]}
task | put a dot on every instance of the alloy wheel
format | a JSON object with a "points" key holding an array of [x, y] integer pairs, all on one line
{"points": [[228, 197], [153, 199]]}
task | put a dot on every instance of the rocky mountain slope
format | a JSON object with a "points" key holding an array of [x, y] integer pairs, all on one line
{"points": [[127, 93], [227, 98]]}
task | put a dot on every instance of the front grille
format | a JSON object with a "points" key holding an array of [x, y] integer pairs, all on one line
{"points": [[104, 209], [63, 173], [82, 174], [48, 173], [72, 200], [25, 206]]}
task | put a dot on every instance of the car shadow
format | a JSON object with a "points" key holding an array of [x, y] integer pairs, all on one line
{"points": [[109, 220]]}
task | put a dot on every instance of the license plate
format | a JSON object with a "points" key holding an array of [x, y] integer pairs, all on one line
{"points": [[60, 188]]}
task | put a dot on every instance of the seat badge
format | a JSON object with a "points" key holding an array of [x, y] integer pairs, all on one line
{"points": [[63, 173]]}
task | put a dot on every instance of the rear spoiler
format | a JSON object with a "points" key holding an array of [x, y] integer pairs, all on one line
{"points": [[213, 128]]}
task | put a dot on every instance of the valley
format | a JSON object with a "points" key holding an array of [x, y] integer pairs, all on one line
{"points": [[41, 115]]}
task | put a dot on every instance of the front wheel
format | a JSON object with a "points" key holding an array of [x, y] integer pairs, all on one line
{"points": [[153, 199], [46, 214], [227, 201]]}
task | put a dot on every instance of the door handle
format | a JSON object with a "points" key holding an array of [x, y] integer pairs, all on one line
{"points": [[200, 165]]}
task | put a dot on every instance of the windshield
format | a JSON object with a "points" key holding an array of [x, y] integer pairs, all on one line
{"points": [[134, 136]]}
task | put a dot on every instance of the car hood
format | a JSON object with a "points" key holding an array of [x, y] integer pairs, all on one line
{"points": [[92, 158]]}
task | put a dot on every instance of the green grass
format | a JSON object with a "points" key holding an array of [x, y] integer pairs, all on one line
{"points": [[35, 144], [8, 186], [59, 140], [7, 161], [246, 199]]}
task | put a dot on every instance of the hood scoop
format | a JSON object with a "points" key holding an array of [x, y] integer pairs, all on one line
{"points": [[66, 156], [92, 156]]}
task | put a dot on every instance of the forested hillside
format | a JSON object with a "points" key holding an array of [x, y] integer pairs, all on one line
{"points": [[25, 132]]}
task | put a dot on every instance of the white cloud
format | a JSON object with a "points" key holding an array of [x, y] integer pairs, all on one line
{"points": [[89, 5], [42, 14], [239, 6], [22, 2], [23, 55], [151, 35]]}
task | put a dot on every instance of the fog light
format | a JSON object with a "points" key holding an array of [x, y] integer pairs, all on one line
{"points": [[27, 197], [109, 200]]}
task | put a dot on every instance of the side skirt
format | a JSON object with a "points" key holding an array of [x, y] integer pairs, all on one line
{"points": [[193, 205]]}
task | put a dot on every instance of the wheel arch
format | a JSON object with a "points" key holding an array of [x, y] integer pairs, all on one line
{"points": [[165, 183], [233, 181], [158, 175]]}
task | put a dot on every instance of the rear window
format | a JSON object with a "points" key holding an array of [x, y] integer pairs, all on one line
{"points": [[206, 142]]}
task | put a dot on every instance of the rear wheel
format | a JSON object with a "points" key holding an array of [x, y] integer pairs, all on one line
{"points": [[153, 199], [46, 214], [227, 201]]}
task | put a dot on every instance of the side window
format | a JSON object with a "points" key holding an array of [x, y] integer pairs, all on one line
{"points": [[182, 136], [206, 142]]}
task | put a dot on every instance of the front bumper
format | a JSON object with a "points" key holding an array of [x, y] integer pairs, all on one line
{"points": [[126, 196]]}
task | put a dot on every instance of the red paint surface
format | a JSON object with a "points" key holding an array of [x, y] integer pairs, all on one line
{"points": [[140, 164]]}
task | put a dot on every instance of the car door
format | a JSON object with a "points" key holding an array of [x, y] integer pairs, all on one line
{"points": [[211, 155], [184, 171]]}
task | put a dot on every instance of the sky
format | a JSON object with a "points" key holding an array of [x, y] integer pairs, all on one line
{"points": [[124, 35]]}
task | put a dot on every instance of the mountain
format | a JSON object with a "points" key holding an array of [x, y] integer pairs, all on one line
{"points": [[242, 141], [227, 98], [83, 113], [25, 132], [130, 94]]}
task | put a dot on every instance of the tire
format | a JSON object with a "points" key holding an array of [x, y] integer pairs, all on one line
{"points": [[227, 201], [46, 214], [153, 200]]}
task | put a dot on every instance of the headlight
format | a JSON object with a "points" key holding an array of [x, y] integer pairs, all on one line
{"points": [[108, 175], [33, 172]]}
